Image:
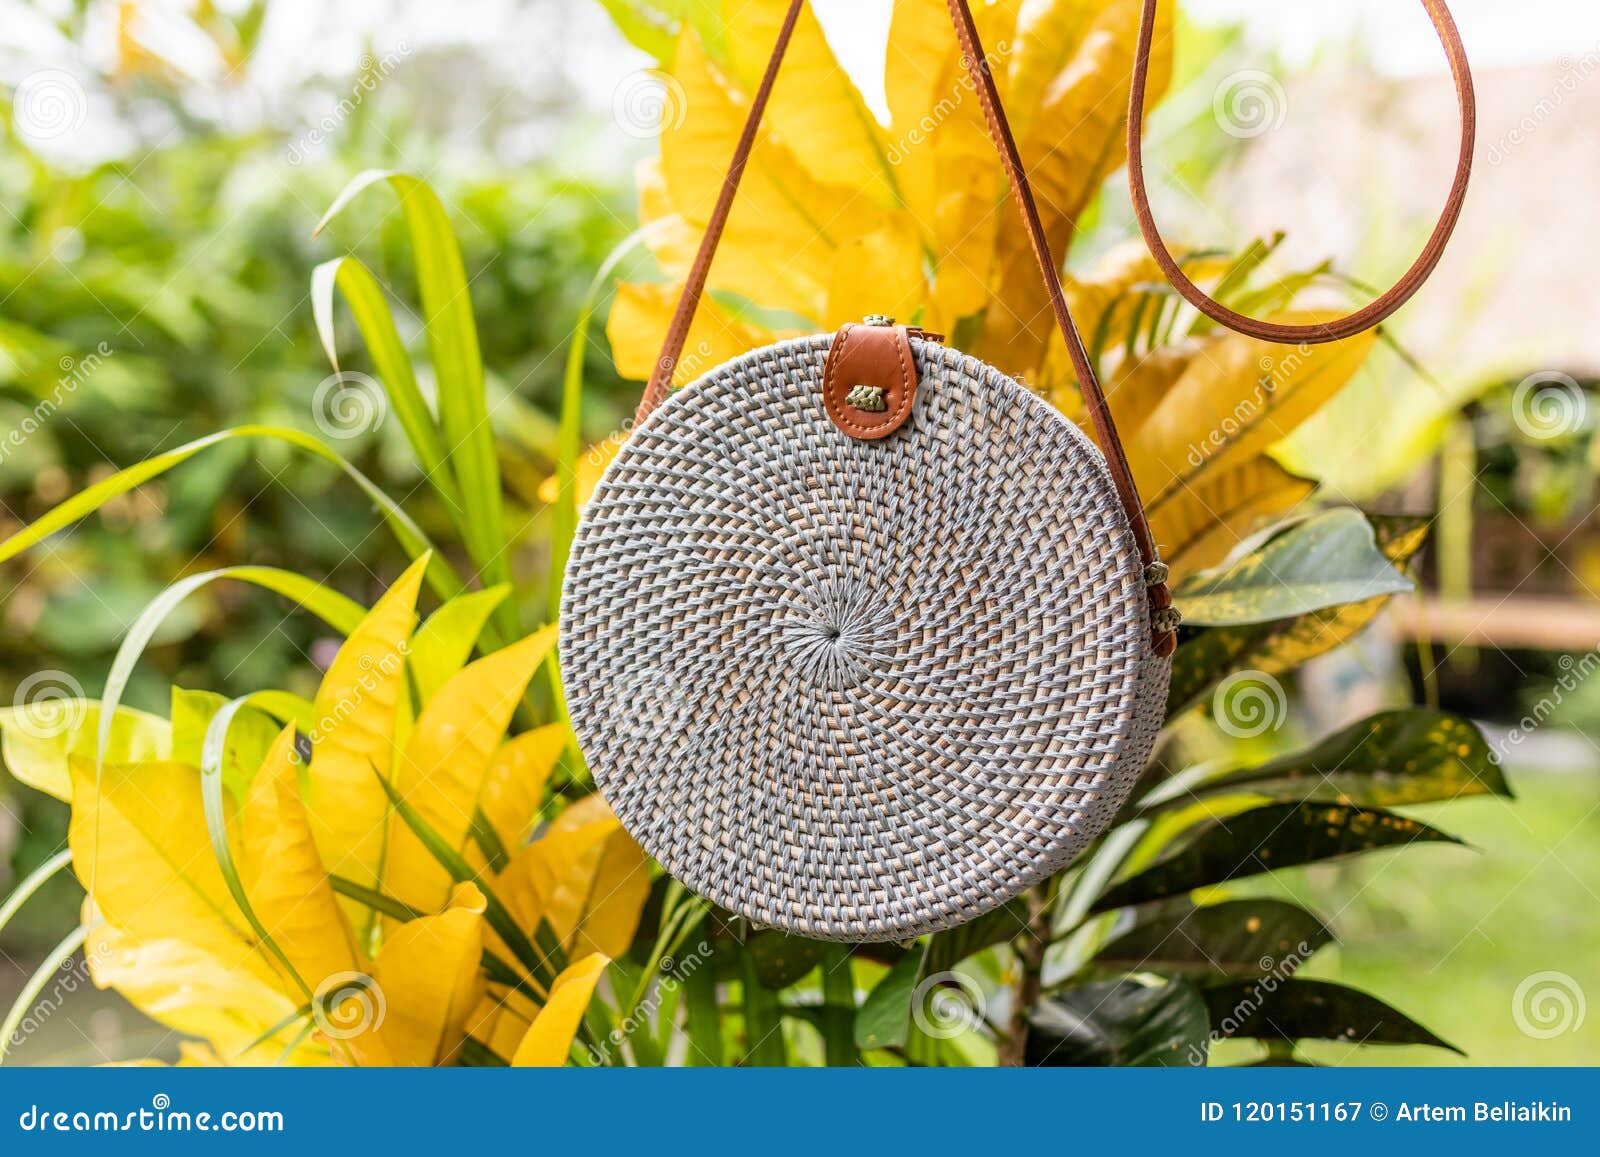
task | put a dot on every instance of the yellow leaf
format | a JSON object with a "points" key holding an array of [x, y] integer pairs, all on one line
{"points": [[585, 876], [815, 108], [426, 981], [37, 738], [501, 1020], [140, 847], [879, 273], [354, 735], [785, 226], [1067, 96], [590, 467], [442, 772], [283, 876], [1236, 398], [638, 321], [1196, 528], [550, 1036], [191, 991], [514, 787]]}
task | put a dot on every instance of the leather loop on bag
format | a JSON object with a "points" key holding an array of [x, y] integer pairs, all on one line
{"points": [[870, 380], [1362, 319]]}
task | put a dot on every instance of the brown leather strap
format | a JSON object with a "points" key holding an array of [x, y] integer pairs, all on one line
{"points": [[695, 284], [1382, 307]]}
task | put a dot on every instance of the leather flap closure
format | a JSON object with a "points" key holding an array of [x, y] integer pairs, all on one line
{"points": [[869, 380]]}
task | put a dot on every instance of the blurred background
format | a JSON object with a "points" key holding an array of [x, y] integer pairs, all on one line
{"points": [[163, 166]]}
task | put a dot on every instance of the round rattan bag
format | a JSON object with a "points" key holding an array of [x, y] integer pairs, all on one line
{"points": [[859, 689]]}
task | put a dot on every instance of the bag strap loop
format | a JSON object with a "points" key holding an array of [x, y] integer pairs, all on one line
{"points": [[1099, 412], [1398, 294]]}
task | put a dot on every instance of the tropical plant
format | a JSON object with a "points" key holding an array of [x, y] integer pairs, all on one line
{"points": [[1148, 950]]}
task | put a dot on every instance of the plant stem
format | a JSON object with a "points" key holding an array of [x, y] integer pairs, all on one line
{"points": [[1030, 948]]}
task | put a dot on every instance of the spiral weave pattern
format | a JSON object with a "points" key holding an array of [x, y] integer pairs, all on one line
{"points": [[859, 690]]}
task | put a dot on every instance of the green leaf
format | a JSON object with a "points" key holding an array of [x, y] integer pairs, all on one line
{"points": [[1234, 938], [441, 576], [250, 735], [441, 646], [37, 739], [1120, 1023], [781, 959], [838, 1022], [1289, 1010], [46, 972], [1266, 839], [458, 369], [31, 883], [884, 1019], [1325, 561], [1275, 648], [1389, 759], [645, 26], [763, 1020], [948, 949], [376, 323]]}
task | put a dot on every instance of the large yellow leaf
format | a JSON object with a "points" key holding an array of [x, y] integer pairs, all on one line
{"points": [[1067, 97], [550, 1036], [815, 108], [283, 876], [638, 321], [1236, 398], [354, 736], [1195, 528], [785, 226], [441, 774], [514, 787], [501, 1020], [140, 847], [879, 273], [426, 981], [189, 990], [37, 739], [585, 876]]}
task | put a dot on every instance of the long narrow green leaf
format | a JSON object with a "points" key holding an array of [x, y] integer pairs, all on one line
{"points": [[41, 976], [373, 318], [444, 580], [31, 883], [211, 795], [495, 912], [458, 368]]}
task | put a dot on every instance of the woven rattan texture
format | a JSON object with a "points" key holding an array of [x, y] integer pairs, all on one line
{"points": [[859, 690]]}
